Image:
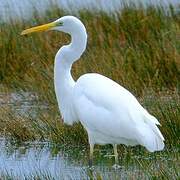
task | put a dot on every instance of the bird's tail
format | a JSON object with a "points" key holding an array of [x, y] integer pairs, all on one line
{"points": [[150, 135]]}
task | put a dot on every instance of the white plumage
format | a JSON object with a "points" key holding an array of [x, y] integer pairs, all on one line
{"points": [[109, 112], [112, 115]]}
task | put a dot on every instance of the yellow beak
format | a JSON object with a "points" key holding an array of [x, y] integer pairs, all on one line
{"points": [[44, 27]]}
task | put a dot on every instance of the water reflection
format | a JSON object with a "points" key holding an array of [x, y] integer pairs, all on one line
{"points": [[44, 159], [37, 158]]}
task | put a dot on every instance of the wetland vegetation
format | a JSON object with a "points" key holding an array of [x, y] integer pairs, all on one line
{"points": [[137, 47]]}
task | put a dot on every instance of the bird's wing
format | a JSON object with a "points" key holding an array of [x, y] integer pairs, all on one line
{"points": [[104, 106]]}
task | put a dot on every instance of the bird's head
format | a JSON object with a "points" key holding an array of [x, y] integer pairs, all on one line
{"points": [[67, 24]]}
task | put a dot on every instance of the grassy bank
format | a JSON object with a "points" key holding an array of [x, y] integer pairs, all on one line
{"points": [[137, 47]]}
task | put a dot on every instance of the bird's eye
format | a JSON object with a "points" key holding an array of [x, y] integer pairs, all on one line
{"points": [[59, 23]]}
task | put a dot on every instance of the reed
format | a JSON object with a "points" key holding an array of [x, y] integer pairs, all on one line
{"points": [[137, 47]]}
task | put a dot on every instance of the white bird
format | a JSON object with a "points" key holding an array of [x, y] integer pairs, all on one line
{"points": [[109, 113]]}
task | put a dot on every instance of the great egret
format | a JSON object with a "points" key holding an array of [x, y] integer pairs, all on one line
{"points": [[109, 113]]}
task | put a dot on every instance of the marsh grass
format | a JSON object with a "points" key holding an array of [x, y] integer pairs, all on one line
{"points": [[137, 47], [47, 124]]}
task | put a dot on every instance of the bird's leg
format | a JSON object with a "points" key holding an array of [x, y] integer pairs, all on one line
{"points": [[115, 153], [91, 155]]}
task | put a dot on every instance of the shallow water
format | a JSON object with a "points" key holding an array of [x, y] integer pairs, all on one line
{"points": [[25, 104], [48, 160], [44, 159], [36, 158], [24, 8]]}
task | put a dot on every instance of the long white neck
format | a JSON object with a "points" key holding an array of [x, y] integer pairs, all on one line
{"points": [[63, 80]]}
